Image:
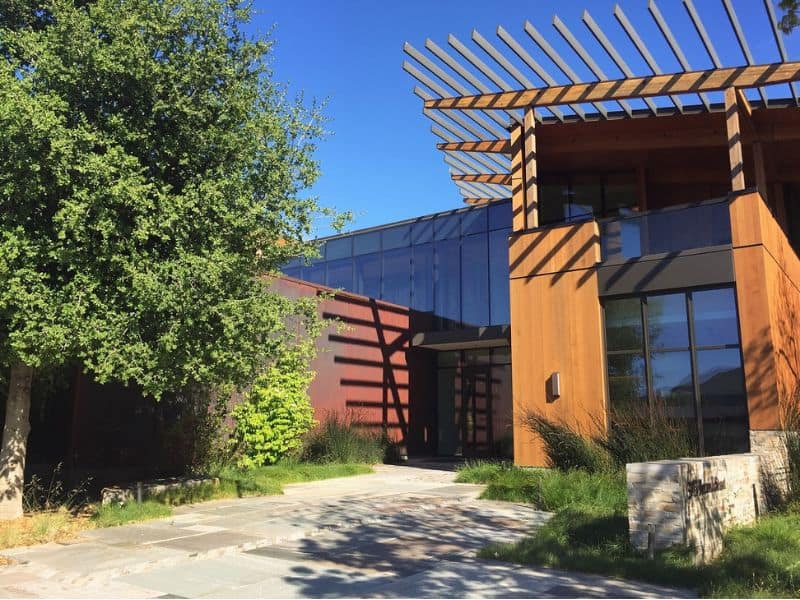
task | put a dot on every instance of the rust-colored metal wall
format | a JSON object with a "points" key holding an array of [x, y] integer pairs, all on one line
{"points": [[365, 365]]}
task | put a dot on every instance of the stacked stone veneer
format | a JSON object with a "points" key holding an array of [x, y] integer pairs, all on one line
{"points": [[771, 447], [693, 501]]}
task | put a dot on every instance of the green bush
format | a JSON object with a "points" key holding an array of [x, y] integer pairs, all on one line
{"points": [[274, 416], [565, 447], [344, 439]]}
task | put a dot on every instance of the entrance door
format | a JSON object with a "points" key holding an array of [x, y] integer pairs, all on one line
{"points": [[475, 411]]}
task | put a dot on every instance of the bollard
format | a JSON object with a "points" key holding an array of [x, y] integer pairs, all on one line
{"points": [[651, 541], [139, 492]]}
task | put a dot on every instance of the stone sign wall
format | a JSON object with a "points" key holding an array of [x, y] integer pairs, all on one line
{"points": [[693, 501]]}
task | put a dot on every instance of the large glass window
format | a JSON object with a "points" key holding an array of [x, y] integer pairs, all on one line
{"points": [[499, 305], [447, 281], [679, 353], [397, 276], [422, 275], [583, 196], [368, 275], [340, 273], [453, 264], [475, 280]]}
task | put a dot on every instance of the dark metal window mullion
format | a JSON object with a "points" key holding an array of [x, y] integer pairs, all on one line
{"points": [[695, 378]]}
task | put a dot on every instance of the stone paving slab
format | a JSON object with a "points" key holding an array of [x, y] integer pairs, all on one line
{"points": [[399, 532]]}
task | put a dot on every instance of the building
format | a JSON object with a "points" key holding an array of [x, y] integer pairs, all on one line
{"points": [[631, 242]]}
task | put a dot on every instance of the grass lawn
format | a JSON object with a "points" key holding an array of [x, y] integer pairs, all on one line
{"points": [[589, 532], [57, 526]]}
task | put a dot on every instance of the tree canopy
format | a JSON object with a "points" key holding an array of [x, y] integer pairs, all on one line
{"points": [[150, 173]]}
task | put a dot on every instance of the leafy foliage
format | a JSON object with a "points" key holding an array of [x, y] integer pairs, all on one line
{"points": [[277, 411], [790, 18], [155, 172]]}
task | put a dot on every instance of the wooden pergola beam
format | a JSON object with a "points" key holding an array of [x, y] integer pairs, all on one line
{"points": [[634, 87], [499, 178], [498, 146]]}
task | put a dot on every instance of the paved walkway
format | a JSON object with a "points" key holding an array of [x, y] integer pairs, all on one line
{"points": [[400, 532]]}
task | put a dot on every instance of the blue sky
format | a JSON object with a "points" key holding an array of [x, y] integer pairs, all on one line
{"points": [[381, 160]]}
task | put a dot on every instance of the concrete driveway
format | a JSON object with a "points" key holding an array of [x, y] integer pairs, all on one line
{"points": [[400, 532]]}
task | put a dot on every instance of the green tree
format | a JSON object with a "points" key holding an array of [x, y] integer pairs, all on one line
{"points": [[790, 18], [150, 173]]}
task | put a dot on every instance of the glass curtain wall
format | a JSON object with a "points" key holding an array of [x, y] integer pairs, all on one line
{"points": [[454, 265], [680, 353]]}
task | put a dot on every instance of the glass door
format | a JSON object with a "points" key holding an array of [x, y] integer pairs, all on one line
{"points": [[475, 411]]}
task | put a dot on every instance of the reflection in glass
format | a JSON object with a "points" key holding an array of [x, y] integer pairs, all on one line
{"points": [[315, 273], [499, 215], [446, 227], [339, 248], [715, 321], [587, 197], [396, 237], [667, 325], [368, 275], [364, 243], [672, 384], [475, 280], [477, 356], [553, 202], [624, 324], [422, 231], [723, 400], [397, 276], [627, 381], [340, 274], [448, 281], [473, 221], [499, 305], [422, 278]]}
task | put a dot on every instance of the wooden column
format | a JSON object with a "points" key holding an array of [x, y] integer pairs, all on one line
{"points": [[531, 179], [734, 140], [517, 179], [760, 170]]}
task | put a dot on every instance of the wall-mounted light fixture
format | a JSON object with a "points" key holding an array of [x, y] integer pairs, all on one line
{"points": [[555, 384]]}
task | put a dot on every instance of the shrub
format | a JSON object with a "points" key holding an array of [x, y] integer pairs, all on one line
{"points": [[343, 439], [273, 417], [565, 447]]}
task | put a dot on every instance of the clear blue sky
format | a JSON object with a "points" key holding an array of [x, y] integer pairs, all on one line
{"points": [[381, 160]]}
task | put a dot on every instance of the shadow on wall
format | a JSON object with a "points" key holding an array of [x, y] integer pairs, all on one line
{"points": [[366, 366]]}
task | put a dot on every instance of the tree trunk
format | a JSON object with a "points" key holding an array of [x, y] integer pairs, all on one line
{"points": [[15, 440]]}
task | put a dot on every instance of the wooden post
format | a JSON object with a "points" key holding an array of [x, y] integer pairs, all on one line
{"points": [[760, 170], [734, 140], [531, 180], [517, 179]]}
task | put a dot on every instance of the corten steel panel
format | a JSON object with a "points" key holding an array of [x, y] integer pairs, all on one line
{"points": [[556, 326], [364, 366], [768, 294]]}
